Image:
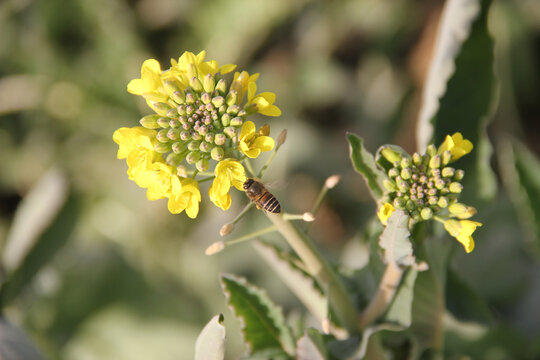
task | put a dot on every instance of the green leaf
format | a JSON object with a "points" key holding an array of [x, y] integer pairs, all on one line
{"points": [[400, 310], [459, 92], [263, 324], [42, 249], [364, 163], [298, 281], [210, 344], [521, 175], [395, 240], [33, 216], [311, 346], [463, 302]]}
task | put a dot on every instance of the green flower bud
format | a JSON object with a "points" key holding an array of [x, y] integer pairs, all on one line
{"points": [[426, 213], [405, 163], [161, 108], [237, 121], [415, 215], [177, 147], [410, 205], [446, 157], [162, 148], [393, 172], [179, 97], [389, 185], [221, 86], [232, 96], [233, 110], [459, 175], [181, 171], [435, 162], [173, 134], [443, 202], [217, 153], [181, 109], [218, 101], [230, 131], [193, 146], [225, 120], [403, 186], [406, 173], [431, 150], [185, 135], [161, 136], [399, 203], [390, 155], [209, 138], [209, 83], [455, 187], [164, 122], [196, 84], [196, 136], [417, 159], [150, 121], [193, 157], [190, 99], [205, 147], [174, 159], [202, 165], [220, 139], [439, 184], [448, 172], [205, 98], [432, 200], [174, 123]]}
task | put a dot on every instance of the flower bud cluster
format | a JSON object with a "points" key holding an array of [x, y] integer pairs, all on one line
{"points": [[199, 123], [422, 185]]}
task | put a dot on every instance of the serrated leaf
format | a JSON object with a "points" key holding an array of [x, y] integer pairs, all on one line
{"points": [[364, 163], [263, 324], [33, 216], [395, 240], [459, 93], [210, 344], [454, 28], [297, 280], [311, 346], [521, 174]]}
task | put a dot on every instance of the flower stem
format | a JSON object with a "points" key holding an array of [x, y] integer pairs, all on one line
{"points": [[249, 167], [385, 293], [317, 267]]}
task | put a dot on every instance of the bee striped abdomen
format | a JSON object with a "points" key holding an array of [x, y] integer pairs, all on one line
{"points": [[269, 203]]}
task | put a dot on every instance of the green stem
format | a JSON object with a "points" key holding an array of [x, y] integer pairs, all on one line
{"points": [[249, 167], [243, 212], [206, 179], [268, 162], [317, 266], [251, 235], [317, 205]]}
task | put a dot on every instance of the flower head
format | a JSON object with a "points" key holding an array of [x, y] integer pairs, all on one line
{"points": [[457, 145], [252, 143], [462, 231], [200, 119], [228, 173]]}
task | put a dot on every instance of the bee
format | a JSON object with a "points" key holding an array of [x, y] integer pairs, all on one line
{"points": [[257, 193]]}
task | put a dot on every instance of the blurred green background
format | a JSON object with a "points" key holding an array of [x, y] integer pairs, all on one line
{"points": [[116, 276]]}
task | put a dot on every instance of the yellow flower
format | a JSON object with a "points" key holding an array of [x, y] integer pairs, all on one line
{"points": [[228, 173], [264, 101], [253, 143], [462, 211], [149, 85], [462, 231], [457, 145], [241, 82], [181, 68], [185, 195], [384, 212], [158, 180], [135, 138]]}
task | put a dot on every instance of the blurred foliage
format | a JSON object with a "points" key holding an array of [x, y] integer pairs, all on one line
{"points": [[114, 276]]}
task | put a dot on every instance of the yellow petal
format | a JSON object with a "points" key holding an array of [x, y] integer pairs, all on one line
{"points": [[248, 129], [264, 143]]}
